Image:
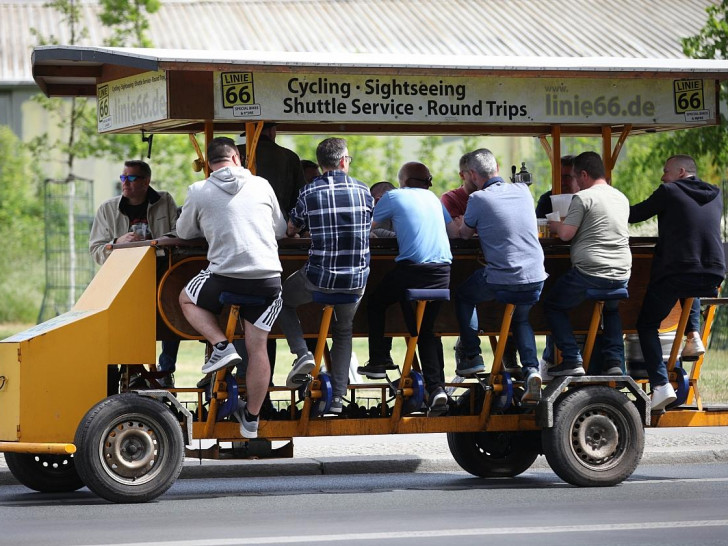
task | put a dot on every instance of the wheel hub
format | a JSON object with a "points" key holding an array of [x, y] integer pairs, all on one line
{"points": [[130, 449], [595, 438]]}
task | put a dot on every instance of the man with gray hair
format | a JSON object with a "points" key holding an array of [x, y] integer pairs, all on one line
{"points": [[502, 215], [337, 210]]}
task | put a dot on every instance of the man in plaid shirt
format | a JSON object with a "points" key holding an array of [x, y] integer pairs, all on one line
{"points": [[337, 210]]}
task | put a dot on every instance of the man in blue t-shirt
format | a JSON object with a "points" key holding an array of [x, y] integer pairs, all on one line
{"points": [[502, 215], [422, 226]]}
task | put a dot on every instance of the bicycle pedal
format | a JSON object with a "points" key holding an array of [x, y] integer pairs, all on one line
{"points": [[302, 379]]}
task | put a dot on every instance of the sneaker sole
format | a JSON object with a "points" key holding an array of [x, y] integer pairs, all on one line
{"points": [[225, 362], [470, 371], [297, 376], [244, 432], [662, 405], [533, 390], [372, 375], [562, 373]]}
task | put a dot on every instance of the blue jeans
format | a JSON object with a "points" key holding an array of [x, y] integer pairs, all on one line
{"points": [[568, 292], [168, 356], [659, 300], [477, 289]]}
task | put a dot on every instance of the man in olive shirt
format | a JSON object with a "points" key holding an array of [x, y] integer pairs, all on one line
{"points": [[597, 226]]}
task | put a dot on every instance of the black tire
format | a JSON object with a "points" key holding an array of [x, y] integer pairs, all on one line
{"points": [[492, 454], [130, 448], [45, 473], [597, 438]]}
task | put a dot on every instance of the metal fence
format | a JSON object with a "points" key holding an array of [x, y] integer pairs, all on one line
{"points": [[68, 264]]}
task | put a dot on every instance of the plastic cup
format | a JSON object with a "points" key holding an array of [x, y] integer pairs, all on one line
{"points": [[560, 203]]}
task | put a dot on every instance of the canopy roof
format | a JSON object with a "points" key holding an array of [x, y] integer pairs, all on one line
{"points": [[582, 95]]}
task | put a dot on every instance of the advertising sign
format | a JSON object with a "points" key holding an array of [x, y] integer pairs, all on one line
{"points": [[253, 96], [131, 101]]}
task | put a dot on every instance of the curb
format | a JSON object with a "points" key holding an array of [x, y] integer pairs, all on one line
{"points": [[384, 464]]}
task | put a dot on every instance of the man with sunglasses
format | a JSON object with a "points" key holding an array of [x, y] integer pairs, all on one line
{"points": [[422, 225], [139, 213]]}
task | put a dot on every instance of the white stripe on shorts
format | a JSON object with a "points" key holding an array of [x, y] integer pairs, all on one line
{"points": [[269, 316], [195, 285]]}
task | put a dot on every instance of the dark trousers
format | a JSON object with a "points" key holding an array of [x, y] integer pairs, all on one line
{"points": [[659, 300], [392, 290]]}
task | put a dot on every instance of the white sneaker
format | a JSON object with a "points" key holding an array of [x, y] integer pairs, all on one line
{"points": [[302, 366], [532, 384], [693, 349], [248, 429], [226, 358], [662, 396], [543, 369]]}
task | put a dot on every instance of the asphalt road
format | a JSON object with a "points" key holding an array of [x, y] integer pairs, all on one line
{"points": [[659, 505]]}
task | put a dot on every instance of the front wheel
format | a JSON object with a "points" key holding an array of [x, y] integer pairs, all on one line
{"points": [[44, 473], [130, 448], [597, 438]]}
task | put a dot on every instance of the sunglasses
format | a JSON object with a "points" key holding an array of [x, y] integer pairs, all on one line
{"points": [[131, 177], [427, 180]]}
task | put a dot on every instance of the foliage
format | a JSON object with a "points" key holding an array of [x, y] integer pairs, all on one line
{"points": [[708, 142], [128, 21], [21, 229], [375, 158]]}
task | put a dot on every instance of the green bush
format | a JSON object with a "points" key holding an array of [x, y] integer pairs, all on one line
{"points": [[21, 232]]}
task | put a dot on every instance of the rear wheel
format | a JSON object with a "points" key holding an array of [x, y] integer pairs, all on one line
{"points": [[44, 473], [130, 448], [597, 438], [492, 454]]}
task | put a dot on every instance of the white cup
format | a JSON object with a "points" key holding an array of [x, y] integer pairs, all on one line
{"points": [[560, 203]]}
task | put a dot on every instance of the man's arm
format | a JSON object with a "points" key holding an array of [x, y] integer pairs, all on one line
{"points": [[99, 237], [292, 230], [647, 208], [466, 232], [454, 227], [565, 232]]}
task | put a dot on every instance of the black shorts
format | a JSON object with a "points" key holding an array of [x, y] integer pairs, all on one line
{"points": [[205, 288]]}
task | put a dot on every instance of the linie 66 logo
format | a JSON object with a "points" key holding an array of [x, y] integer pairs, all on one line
{"points": [[238, 93]]}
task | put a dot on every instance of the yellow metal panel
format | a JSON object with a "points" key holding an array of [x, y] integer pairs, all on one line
{"points": [[63, 374], [126, 287], [58, 370], [52, 449], [9, 391], [691, 418]]}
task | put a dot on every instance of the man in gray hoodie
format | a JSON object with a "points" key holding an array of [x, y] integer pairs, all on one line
{"points": [[239, 215]]}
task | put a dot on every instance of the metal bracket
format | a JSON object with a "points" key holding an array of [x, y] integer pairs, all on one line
{"points": [[545, 408], [166, 396]]}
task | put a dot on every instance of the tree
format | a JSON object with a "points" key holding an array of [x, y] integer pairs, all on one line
{"points": [[21, 231], [709, 143], [128, 18]]}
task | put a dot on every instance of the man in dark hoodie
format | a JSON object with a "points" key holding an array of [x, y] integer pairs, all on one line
{"points": [[688, 258]]}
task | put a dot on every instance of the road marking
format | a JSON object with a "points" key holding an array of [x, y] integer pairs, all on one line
{"points": [[485, 531]]}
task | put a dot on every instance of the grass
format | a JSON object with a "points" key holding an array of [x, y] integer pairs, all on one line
{"points": [[713, 380]]}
